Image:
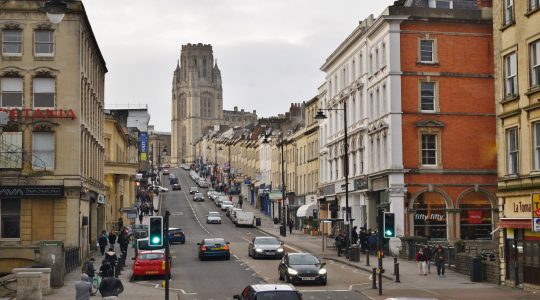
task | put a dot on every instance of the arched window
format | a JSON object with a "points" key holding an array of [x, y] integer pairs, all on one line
{"points": [[430, 216], [475, 217]]}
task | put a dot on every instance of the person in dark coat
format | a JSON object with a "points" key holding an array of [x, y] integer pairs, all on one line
{"points": [[112, 239], [372, 242], [427, 252], [120, 223], [141, 217], [340, 242], [291, 226], [363, 239], [438, 257], [110, 287], [106, 269], [102, 241], [354, 235]]}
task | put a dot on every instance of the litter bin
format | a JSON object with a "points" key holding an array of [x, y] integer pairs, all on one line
{"points": [[354, 253], [475, 269], [258, 221]]}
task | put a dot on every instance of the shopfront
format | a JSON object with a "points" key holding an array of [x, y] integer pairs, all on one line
{"points": [[430, 216]]}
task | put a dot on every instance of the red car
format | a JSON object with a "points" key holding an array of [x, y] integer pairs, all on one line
{"points": [[150, 263]]}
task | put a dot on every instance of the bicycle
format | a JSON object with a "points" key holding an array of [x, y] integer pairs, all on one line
{"points": [[96, 282]]}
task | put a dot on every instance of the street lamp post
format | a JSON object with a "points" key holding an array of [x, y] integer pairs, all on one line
{"points": [[346, 220]]}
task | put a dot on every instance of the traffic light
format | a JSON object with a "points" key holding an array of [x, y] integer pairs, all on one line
{"points": [[155, 232], [389, 225]]}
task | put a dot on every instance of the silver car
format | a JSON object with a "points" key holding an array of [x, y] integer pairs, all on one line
{"points": [[213, 217], [265, 246]]}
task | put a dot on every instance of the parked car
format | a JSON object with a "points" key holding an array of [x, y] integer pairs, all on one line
{"points": [[193, 190], [198, 197], [235, 210], [265, 246], [245, 218], [165, 172], [176, 187], [216, 247], [210, 191], [176, 235], [302, 267], [220, 200], [213, 217], [149, 263], [226, 204], [161, 189], [269, 291], [230, 212], [202, 183]]}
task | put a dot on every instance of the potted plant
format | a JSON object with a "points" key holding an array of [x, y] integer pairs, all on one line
{"points": [[460, 245], [314, 227]]}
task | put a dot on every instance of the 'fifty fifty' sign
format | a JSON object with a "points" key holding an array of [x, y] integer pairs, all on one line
{"points": [[31, 191]]}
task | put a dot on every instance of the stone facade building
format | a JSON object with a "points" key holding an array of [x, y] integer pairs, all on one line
{"points": [[516, 34], [52, 154], [197, 101]]}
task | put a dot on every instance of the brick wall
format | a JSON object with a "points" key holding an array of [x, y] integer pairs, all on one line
{"points": [[490, 269]]}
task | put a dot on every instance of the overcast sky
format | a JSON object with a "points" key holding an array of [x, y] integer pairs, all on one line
{"points": [[269, 51]]}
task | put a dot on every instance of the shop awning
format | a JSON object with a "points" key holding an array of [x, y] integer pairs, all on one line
{"points": [[515, 223], [306, 210]]}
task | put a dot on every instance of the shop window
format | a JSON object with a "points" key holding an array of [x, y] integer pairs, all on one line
{"points": [[476, 217], [430, 216], [10, 218]]}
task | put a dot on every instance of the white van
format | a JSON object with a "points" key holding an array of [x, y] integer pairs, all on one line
{"points": [[245, 218]]}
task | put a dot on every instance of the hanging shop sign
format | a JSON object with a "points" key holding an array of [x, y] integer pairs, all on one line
{"points": [[33, 114], [536, 212], [31, 191]]}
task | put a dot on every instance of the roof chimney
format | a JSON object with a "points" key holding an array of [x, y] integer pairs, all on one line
{"points": [[236, 108], [484, 3]]}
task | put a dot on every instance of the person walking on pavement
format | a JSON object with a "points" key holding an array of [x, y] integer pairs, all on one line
{"points": [[363, 239], [427, 251], [439, 260], [340, 242], [421, 261], [102, 241], [88, 269], [111, 257], [354, 235], [141, 217], [110, 288], [106, 269], [291, 225], [120, 223], [83, 288], [112, 239], [240, 201]]}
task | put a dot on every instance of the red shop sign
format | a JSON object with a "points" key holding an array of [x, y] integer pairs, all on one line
{"points": [[475, 216], [32, 114]]}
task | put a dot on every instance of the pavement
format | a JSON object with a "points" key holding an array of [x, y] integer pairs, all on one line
{"points": [[131, 290], [453, 286]]}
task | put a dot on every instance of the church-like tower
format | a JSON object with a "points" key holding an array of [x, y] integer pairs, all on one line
{"points": [[197, 99]]}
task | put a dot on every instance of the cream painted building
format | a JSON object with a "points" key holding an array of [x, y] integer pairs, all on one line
{"points": [[52, 159], [516, 32], [121, 163]]}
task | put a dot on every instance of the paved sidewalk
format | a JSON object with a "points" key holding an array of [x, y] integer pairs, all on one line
{"points": [[132, 290], [453, 286]]}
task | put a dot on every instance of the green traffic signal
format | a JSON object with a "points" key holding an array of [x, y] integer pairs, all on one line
{"points": [[389, 225], [155, 231]]}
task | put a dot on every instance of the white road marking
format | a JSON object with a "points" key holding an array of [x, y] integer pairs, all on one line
{"points": [[322, 291], [194, 214]]}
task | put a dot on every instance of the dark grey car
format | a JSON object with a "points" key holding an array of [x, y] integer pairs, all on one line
{"points": [[265, 246]]}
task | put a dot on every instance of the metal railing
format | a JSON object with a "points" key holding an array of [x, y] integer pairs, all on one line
{"points": [[71, 259]]}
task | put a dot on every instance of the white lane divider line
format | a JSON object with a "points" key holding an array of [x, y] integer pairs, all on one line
{"points": [[194, 214]]}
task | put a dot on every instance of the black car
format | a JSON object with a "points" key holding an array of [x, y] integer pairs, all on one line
{"points": [[210, 248], [270, 291], [302, 267], [176, 187]]}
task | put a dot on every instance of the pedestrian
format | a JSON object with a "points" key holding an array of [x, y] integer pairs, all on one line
{"points": [[240, 201], [291, 225], [110, 287], [112, 239], [340, 242], [439, 260], [372, 242], [141, 217], [120, 223], [421, 261], [83, 288], [88, 269], [427, 251], [363, 239], [106, 269], [112, 258], [102, 241], [354, 235]]}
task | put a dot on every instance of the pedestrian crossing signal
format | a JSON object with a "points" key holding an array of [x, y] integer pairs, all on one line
{"points": [[155, 231], [389, 225]]}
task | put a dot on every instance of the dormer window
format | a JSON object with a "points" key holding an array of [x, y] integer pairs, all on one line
{"points": [[448, 4]]}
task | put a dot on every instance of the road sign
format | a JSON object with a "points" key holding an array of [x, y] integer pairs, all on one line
{"points": [[536, 212]]}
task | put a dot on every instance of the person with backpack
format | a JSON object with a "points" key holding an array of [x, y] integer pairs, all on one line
{"points": [[112, 239], [102, 242], [88, 269]]}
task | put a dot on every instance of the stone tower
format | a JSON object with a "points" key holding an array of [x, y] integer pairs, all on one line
{"points": [[197, 99]]}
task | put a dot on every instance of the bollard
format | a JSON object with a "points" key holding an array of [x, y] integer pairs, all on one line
{"points": [[396, 267], [395, 262], [116, 270], [374, 279], [367, 259]]}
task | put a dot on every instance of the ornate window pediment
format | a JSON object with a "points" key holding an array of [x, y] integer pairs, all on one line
{"points": [[12, 26], [430, 123]]}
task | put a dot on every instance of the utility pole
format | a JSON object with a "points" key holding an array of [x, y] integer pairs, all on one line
{"points": [[167, 253]]}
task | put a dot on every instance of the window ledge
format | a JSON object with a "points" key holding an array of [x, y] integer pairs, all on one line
{"points": [[428, 63], [506, 26], [533, 90], [532, 11], [509, 99], [44, 57], [12, 57]]}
